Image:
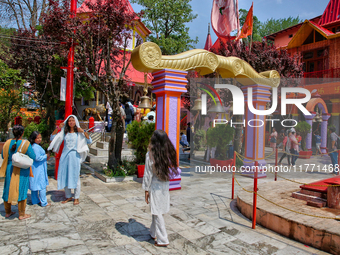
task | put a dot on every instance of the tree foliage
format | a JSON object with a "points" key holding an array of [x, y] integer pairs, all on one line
{"points": [[99, 56], [11, 90], [167, 21], [270, 26]]}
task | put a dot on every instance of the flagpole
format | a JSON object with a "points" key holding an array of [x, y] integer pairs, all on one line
{"points": [[251, 36], [238, 19]]}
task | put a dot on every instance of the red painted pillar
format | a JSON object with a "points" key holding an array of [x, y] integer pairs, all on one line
{"points": [[255, 194], [276, 156], [233, 180], [69, 88], [91, 124], [70, 72], [338, 162]]}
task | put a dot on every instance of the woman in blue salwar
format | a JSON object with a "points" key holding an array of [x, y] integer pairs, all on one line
{"points": [[39, 182], [16, 179], [74, 153]]}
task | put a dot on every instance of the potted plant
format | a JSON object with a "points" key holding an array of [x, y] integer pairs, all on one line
{"points": [[220, 137], [139, 134], [304, 129]]}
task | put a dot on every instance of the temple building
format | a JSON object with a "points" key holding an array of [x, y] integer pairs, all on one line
{"points": [[318, 42], [135, 79]]}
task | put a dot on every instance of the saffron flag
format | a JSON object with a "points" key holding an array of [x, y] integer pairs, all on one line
{"points": [[247, 28], [224, 17]]}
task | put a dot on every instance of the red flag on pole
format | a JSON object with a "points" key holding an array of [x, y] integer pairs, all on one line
{"points": [[224, 17], [247, 28]]}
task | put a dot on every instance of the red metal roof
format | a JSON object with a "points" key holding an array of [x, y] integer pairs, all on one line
{"points": [[272, 36], [208, 42], [331, 13], [84, 9], [326, 31]]}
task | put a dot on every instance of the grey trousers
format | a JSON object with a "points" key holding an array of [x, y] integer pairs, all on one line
{"points": [[158, 230], [68, 193]]}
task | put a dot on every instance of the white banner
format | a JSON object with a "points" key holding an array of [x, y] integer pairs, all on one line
{"points": [[63, 89]]}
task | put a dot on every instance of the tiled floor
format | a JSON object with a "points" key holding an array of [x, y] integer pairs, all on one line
{"points": [[114, 219]]}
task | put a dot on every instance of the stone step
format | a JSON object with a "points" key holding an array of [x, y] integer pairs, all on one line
{"points": [[129, 158], [316, 204], [315, 201], [96, 159], [98, 152], [128, 152], [313, 193], [103, 145]]}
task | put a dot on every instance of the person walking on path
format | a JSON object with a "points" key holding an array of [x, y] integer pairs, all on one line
{"points": [[286, 147], [318, 142], [294, 146], [39, 182], [16, 179], [272, 139], [74, 153], [129, 115], [333, 147], [160, 166]]}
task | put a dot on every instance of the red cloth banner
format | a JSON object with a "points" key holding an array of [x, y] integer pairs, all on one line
{"points": [[224, 17]]}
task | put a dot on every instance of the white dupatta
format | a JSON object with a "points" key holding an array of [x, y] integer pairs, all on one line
{"points": [[82, 147]]}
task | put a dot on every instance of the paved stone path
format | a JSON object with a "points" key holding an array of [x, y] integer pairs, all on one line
{"points": [[114, 219]]}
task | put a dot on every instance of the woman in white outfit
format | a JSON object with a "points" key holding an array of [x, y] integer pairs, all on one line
{"points": [[160, 165]]}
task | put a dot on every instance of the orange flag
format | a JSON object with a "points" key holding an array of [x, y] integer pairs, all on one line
{"points": [[247, 28]]}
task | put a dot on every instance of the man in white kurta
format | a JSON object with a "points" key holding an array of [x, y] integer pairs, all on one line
{"points": [[159, 201]]}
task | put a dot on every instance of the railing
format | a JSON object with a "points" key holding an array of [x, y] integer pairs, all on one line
{"points": [[323, 76], [99, 134]]}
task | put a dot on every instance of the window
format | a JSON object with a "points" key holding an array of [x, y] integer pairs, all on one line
{"points": [[290, 36]]}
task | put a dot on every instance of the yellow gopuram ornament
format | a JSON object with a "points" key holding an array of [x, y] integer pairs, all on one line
{"points": [[148, 58]]}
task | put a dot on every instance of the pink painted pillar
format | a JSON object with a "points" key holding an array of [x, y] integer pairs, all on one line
{"points": [[168, 85], [255, 128], [324, 124], [309, 120]]}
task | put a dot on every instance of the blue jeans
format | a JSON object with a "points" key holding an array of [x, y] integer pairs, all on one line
{"points": [[127, 122], [182, 143], [39, 196], [294, 158], [334, 158]]}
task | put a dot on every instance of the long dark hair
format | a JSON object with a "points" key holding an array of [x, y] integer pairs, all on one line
{"points": [[33, 136], [18, 130], [68, 128], [164, 155]]}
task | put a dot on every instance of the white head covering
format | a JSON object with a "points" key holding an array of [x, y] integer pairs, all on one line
{"points": [[82, 147], [292, 130]]}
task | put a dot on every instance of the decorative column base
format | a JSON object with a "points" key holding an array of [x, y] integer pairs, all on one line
{"points": [[249, 167], [168, 85], [255, 131]]}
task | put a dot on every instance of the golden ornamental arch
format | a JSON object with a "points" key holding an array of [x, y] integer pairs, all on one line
{"points": [[148, 57]]}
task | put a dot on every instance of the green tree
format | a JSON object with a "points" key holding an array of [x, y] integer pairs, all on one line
{"points": [[167, 20], [10, 94], [274, 25]]}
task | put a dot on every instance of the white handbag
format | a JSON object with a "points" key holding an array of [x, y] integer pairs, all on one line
{"points": [[21, 160]]}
